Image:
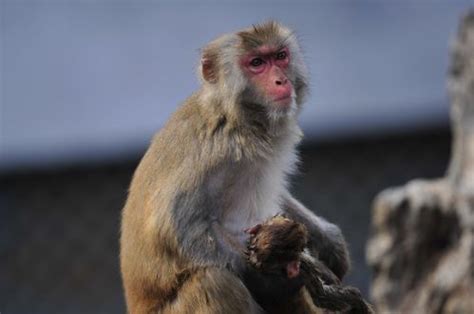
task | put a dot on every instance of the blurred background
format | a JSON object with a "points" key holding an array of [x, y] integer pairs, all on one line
{"points": [[84, 85]]}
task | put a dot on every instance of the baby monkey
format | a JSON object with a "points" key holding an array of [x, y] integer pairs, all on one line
{"points": [[277, 247]]}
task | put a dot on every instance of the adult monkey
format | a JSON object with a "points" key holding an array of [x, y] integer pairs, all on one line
{"points": [[217, 168]]}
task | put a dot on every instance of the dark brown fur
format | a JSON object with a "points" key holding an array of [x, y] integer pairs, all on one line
{"points": [[279, 241]]}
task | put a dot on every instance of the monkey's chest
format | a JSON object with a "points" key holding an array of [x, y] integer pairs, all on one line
{"points": [[247, 198]]}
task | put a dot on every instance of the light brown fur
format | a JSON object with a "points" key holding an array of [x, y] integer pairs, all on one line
{"points": [[217, 166], [148, 233]]}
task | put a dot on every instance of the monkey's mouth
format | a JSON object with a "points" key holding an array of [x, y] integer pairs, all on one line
{"points": [[283, 98], [283, 102]]}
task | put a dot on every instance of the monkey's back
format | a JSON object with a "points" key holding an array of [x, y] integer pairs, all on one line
{"points": [[149, 256]]}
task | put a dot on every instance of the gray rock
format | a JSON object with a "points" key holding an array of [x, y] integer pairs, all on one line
{"points": [[422, 246]]}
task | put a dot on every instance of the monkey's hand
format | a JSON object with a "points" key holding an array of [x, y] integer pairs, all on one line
{"points": [[273, 254]]}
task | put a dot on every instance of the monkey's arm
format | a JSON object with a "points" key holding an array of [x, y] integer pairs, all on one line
{"points": [[326, 241], [201, 237], [207, 243]]}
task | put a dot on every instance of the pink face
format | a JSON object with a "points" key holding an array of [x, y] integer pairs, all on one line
{"points": [[266, 69]]}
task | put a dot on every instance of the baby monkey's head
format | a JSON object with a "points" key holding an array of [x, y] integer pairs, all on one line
{"points": [[276, 245]]}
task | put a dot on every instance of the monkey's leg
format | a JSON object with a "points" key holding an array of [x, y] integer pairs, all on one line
{"points": [[213, 291], [333, 297]]}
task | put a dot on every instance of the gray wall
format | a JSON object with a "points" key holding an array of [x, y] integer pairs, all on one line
{"points": [[59, 229], [84, 80]]}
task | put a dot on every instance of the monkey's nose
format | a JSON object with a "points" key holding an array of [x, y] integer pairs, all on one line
{"points": [[281, 81]]}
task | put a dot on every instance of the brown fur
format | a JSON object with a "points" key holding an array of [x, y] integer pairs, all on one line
{"points": [[180, 251], [150, 256], [275, 243], [259, 35]]}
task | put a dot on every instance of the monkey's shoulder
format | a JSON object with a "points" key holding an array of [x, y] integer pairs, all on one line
{"points": [[204, 133]]}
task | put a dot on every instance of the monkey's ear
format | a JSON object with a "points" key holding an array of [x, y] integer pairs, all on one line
{"points": [[208, 69]]}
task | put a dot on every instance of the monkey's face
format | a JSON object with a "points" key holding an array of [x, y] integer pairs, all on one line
{"points": [[261, 65], [266, 70]]}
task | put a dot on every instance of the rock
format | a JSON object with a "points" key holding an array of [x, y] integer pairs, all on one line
{"points": [[422, 246]]}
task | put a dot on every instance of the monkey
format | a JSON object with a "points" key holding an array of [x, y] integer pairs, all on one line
{"points": [[277, 247], [219, 166]]}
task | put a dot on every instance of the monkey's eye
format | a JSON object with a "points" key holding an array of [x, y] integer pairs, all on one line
{"points": [[281, 55], [256, 62]]}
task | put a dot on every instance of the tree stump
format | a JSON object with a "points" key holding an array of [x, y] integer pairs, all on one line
{"points": [[422, 244]]}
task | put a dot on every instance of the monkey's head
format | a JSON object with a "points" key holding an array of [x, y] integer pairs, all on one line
{"points": [[275, 246], [261, 66]]}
